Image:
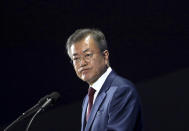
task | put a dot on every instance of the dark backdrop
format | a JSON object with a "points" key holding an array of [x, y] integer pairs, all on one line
{"points": [[147, 40]]}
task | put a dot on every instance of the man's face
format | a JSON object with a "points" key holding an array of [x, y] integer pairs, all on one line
{"points": [[89, 63]]}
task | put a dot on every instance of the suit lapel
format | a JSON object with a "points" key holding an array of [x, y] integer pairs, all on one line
{"points": [[84, 113], [94, 109], [98, 101]]}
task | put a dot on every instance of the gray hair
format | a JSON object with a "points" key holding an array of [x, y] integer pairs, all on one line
{"points": [[80, 34]]}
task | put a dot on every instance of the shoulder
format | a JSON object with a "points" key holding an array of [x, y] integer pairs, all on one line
{"points": [[123, 86], [121, 82]]}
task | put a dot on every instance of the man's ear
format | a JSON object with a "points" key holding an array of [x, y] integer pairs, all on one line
{"points": [[106, 53], [106, 56]]}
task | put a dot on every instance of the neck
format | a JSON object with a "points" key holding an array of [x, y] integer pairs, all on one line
{"points": [[99, 75]]}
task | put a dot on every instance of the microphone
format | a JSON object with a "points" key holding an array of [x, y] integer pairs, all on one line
{"points": [[53, 97], [50, 100], [43, 103], [35, 107]]}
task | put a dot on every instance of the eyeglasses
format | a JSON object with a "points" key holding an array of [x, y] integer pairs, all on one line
{"points": [[87, 57]]}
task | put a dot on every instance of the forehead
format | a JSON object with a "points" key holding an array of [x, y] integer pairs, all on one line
{"points": [[87, 44]]}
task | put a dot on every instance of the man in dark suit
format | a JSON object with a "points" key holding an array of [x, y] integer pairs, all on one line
{"points": [[112, 103]]}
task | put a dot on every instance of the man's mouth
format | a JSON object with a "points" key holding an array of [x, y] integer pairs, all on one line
{"points": [[84, 71]]}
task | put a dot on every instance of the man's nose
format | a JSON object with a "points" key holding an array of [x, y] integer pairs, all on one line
{"points": [[83, 62]]}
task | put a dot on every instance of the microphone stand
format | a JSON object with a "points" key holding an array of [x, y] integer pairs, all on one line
{"points": [[24, 115], [43, 103], [14, 122], [40, 109], [32, 119]]}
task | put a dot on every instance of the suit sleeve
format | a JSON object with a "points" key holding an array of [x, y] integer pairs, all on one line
{"points": [[124, 110]]}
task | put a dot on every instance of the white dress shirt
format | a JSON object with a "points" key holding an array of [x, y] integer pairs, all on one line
{"points": [[98, 84]]}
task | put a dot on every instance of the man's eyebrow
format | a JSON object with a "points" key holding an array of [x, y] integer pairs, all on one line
{"points": [[75, 54], [86, 50]]}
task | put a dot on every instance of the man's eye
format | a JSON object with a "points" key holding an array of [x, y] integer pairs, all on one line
{"points": [[75, 59], [88, 55]]}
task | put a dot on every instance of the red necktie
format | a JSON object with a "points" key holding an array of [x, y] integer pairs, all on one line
{"points": [[91, 92]]}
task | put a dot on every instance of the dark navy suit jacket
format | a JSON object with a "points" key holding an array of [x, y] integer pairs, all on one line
{"points": [[116, 108]]}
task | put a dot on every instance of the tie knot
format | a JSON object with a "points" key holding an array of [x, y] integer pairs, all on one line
{"points": [[91, 91]]}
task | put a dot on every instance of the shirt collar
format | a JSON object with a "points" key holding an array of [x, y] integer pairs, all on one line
{"points": [[98, 84]]}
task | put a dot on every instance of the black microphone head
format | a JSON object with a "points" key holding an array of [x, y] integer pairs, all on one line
{"points": [[54, 96], [43, 99]]}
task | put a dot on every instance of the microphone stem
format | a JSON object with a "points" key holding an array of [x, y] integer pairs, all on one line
{"points": [[40, 109], [9, 126], [32, 119]]}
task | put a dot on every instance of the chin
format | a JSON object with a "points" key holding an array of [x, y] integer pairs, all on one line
{"points": [[86, 80]]}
